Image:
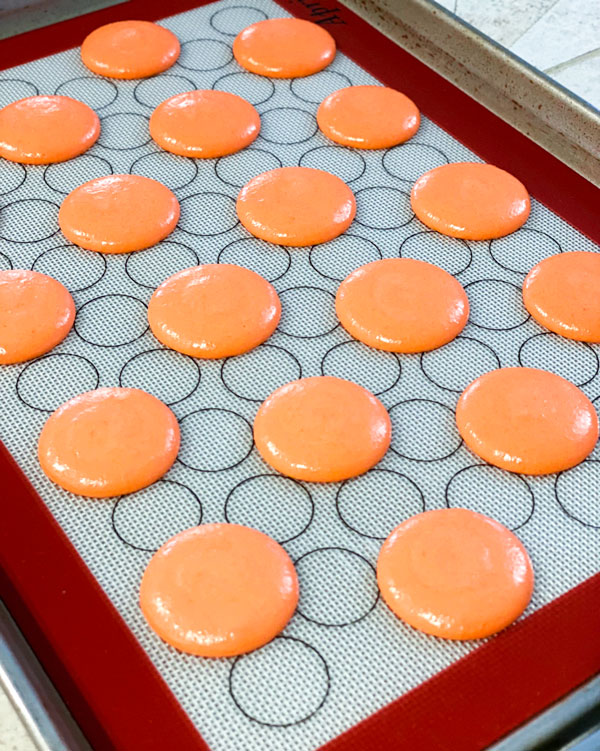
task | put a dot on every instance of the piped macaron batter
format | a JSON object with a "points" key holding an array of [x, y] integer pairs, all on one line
{"points": [[402, 305], [455, 574], [214, 310], [109, 442], [527, 421], [562, 293], [322, 429], [219, 590], [47, 128], [36, 314], [296, 206], [204, 124], [130, 49], [368, 117], [470, 200], [284, 48], [118, 214]]}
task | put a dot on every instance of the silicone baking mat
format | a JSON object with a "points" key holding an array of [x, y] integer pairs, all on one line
{"points": [[343, 655]]}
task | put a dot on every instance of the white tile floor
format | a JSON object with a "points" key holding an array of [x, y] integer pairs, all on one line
{"points": [[561, 37], [13, 736], [566, 30]]}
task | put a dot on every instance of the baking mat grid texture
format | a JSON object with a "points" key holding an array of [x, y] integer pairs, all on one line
{"points": [[343, 654]]}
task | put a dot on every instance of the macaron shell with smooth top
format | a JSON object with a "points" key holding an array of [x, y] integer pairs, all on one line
{"points": [[296, 206], [368, 117], [470, 200], [322, 429], [46, 129], [109, 442], [36, 314], [219, 590], [118, 214], [130, 49], [527, 421], [204, 124], [402, 305], [562, 293], [455, 574], [214, 310], [284, 48]]}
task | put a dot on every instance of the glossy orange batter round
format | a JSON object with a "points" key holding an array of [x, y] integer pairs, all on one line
{"points": [[296, 206], [46, 129], [219, 590], [454, 573], [129, 49], [36, 313], [563, 294], [527, 421], [322, 429], [118, 214], [215, 310], [204, 124], [470, 200], [284, 48], [109, 442], [402, 305], [368, 117]]}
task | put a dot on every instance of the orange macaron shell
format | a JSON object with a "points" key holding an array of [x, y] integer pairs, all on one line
{"points": [[527, 421], [284, 48], [46, 129], [296, 206], [368, 117], [118, 214], [470, 200], [204, 124], [455, 574], [130, 49], [562, 293], [214, 311], [109, 442], [402, 305], [36, 314], [219, 590], [322, 429]]}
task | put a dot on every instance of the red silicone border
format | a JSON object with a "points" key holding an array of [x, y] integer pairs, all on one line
{"points": [[109, 683], [506, 681]]}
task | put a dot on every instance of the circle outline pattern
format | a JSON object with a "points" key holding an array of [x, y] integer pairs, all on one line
{"points": [[164, 349], [375, 469], [69, 245], [274, 474], [586, 345], [122, 497], [46, 357], [412, 458], [356, 341], [264, 345], [295, 722], [220, 469], [102, 297], [355, 620], [562, 507], [491, 466]]}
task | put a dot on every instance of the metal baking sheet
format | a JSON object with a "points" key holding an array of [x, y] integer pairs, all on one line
{"points": [[301, 690], [538, 106]]}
